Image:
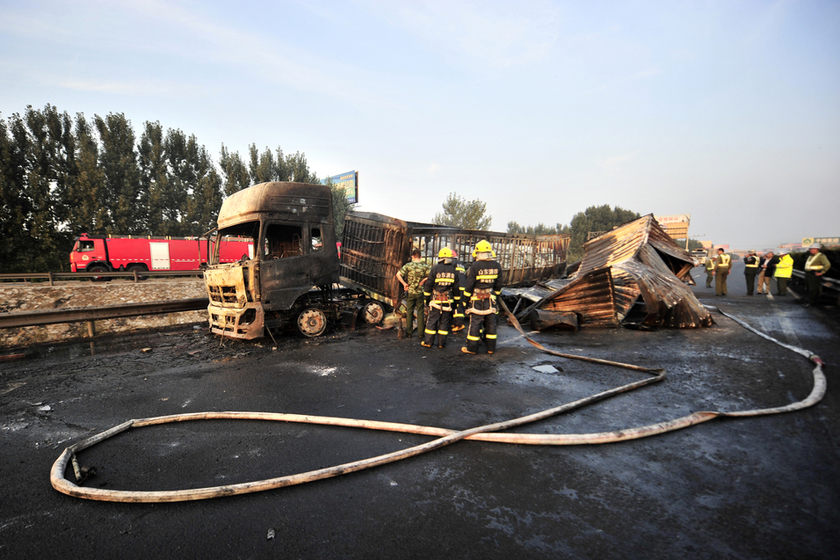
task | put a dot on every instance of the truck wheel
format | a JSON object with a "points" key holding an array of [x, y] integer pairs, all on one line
{"points": [[312, 322], [373, 312], [139, 268], [98, 268]]}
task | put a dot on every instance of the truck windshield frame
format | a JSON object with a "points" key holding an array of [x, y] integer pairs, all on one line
{"points": [[249, 230]]}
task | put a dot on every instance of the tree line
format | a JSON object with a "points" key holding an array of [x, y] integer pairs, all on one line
{"points": [[61, 176], [471, 214]]}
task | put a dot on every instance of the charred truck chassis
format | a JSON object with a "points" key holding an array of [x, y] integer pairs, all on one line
{"points": [[291, 279]]}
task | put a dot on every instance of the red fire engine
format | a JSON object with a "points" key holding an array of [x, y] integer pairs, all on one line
{"points": [[99, 253]]}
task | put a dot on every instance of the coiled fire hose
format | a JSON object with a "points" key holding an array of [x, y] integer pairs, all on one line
{"points": [[487, 433]]}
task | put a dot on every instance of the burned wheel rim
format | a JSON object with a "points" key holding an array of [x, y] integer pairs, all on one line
{"points": [[373, 312], [312, 322]]}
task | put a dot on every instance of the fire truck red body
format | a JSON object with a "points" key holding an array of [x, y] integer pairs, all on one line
{"points": [[99, 253]]}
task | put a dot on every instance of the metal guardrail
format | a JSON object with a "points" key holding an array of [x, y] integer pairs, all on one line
{"points": [[830, 283], [81, 314], [51, 277]]}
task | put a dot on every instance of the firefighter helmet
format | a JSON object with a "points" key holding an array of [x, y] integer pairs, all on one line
{"points": [[483, 246], [445, 253]]}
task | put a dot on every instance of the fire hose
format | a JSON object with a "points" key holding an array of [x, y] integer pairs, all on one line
{"points": [[486, 433]]}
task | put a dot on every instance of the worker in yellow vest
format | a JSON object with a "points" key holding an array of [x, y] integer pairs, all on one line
{"points": [[816, 265], [709, 265], [751, 262], [723, 264], [784, 270]]}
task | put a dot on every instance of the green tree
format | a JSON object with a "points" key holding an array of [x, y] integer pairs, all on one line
{"points": [[14, 204], [118, 160], [594, 219], [87, 194], [263, 167], [154, 179], [235, 175], [539, 229], [461, 213], [205, 197], [340, 208], [297, 169]]}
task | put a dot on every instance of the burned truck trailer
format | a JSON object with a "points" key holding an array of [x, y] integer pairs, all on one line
{"points": [[294, 277], [374, 248]]}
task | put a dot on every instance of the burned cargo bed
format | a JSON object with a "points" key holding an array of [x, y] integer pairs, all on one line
{"points": [[375, 247], [633, 275]]}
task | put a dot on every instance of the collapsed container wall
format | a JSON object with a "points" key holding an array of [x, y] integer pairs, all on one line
{"points": [[375, 247]]}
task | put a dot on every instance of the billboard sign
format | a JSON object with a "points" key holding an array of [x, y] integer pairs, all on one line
{"points": [[821, 240], [675, 225], [664, 221], [348, 181]]}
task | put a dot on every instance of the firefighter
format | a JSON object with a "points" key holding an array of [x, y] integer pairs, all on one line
{"points": [[458, 316], [442, 292], [484, 285]]}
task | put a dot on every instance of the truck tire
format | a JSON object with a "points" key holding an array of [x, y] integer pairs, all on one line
{"points": [[99, 268], [139, 268], [311, 322]]}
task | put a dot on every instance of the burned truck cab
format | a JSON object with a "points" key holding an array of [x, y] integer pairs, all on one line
{"points": [[295, 262]]}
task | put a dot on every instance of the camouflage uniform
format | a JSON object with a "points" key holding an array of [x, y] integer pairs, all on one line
{"points": [[413, 273]]}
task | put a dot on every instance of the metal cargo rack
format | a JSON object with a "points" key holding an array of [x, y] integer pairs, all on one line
{"points": [[375, 247]]}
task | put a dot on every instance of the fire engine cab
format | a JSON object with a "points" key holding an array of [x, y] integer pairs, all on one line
{"points": [[100, 253]]}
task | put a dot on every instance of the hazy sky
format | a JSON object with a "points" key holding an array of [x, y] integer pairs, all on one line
{"points": [[726, 110]]}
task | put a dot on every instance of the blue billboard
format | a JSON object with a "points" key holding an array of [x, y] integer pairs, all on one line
{"points": [[348, 181]]}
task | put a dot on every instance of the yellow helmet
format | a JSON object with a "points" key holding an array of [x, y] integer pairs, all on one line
{"points": [[445, 253], [483, 246]]}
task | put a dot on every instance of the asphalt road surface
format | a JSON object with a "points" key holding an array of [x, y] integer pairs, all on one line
{"points": [[765, 487]]}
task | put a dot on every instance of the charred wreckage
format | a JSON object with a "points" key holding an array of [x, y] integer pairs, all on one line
{"points": [[296, 277]]}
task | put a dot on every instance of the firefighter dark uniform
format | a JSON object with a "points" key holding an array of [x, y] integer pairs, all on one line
{"points": [[484, 285], [442, 292], [458, 315], [751, 271]]}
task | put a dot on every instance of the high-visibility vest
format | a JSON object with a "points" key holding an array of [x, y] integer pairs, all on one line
{"points": [[723, 260], [785, 267], [754, 261], [812, 266]]}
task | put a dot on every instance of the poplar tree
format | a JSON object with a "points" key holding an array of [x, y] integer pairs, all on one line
{"points": [[235, 176], [118, 160], [87, 195], [13, 203], [461, 213], [595, 219], [154, 179]]}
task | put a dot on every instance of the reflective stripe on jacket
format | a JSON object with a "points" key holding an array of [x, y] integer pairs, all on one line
{"points": [[817, 263]]}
